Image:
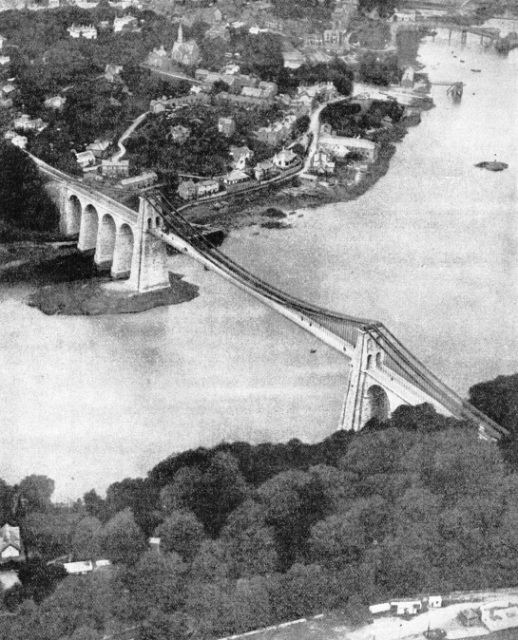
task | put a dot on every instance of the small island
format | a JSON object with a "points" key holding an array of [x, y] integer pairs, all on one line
{"points": [[493, 165]]}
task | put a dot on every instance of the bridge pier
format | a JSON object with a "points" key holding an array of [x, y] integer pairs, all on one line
{"points": [[149, 264]]}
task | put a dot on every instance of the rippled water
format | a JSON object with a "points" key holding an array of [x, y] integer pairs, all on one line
{"points": [[430, 250]]}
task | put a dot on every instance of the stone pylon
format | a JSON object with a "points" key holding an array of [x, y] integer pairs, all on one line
{"points": [[149, 264]]}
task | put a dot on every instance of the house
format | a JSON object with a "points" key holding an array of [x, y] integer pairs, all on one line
{"points": [[407, 607], [126, 23], [313, 40], [340, 147], [186, 191], [7, 89], [293, 59], [85, 159], [83, 31], [80, 568], [99, 148], [235, 177], [240, 156], [4, 60], [2, 40], [10, 542], [264, 170], [141, 181], [469, 618], [407, 80], [8, 579], [186, 53], [322, 163], [55, 102], [26, 123], [499, 615], [269, 89], [434, 602], [112, 72], [333, 38], [179, 134], [285, 159], [5, 103], [115, 168], [383, 607], [227, 126], [159, 58], [17, 140], [207, 188]]}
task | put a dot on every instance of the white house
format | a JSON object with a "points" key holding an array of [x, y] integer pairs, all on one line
{"points": [[83, 31], [4, 60], [55, 102], [340, 147], [80, 568], [285, 159], [407, 607], [19, 141], [85, 159], [10, 543], [129, 23]]}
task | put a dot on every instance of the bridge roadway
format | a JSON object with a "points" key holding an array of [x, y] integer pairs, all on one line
{"points": [[397, 371]]}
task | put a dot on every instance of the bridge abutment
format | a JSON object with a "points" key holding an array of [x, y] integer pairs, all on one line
{"points": [[149, 268]]}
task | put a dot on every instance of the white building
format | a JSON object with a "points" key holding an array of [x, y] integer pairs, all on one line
{"points": [[340, 147], [129, 23], [498, 615], [83, 31], [80, 568], [10, 543]]}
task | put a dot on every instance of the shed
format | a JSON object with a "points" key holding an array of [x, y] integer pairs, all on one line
{"points": [[469, 617]]}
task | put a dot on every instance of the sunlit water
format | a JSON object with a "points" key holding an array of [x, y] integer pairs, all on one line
{"points": [[430, 250]]}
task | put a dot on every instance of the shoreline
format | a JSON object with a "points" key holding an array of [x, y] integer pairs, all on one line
{"points": [[68, 283]]}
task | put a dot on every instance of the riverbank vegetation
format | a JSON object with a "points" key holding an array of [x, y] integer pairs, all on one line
{"points": [[27, 212], [256, 535]]}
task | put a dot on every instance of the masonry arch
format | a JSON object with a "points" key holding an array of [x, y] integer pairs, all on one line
{"points": [[73, 211], [88, 229], [378, 405], [106, 237], [123, 252]]}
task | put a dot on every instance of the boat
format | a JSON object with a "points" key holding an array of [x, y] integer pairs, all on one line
{"points": [[476, 70]]}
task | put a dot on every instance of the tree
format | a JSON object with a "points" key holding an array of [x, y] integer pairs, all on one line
{"points": [[121, 539], [157, 581], [210, 563], [36, 492], [85, 541], [182, 533], [26, 206], [49, 534], [94, 504], [249, 542], [221, 489]]}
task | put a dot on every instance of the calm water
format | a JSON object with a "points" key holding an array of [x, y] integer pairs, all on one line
{"points": [[430, 250]]}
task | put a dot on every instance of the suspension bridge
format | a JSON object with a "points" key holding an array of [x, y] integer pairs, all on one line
{"points": [[382, 373]]}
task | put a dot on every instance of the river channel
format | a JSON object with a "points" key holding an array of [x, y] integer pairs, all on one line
{"points": [[430, 250]]}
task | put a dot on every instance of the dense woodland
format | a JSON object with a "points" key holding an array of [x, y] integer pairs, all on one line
{"points": [[255, 535], [26, 209]]}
